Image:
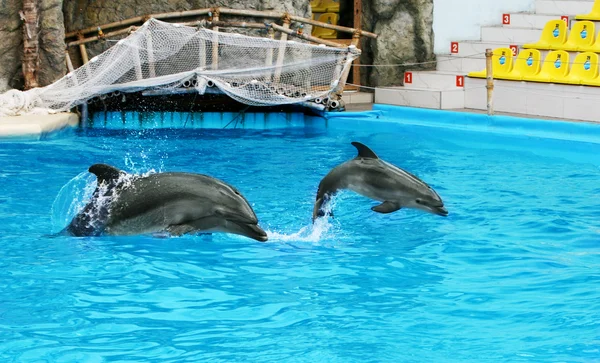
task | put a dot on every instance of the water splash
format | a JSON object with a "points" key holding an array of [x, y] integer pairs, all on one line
{"points": [[321, 229], [71, 198]]}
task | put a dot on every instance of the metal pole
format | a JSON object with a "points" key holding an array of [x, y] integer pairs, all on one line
{"points": [[489, 81]]}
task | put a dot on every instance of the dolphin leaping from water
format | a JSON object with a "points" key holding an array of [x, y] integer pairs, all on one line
{"points": [[177, 203], [374, 178]]}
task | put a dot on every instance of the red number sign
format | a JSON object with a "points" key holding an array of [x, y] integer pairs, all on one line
{"points": [[460, 81], [506, 19], [565, 19], [408, 77], [514, 48], [454, 47]]}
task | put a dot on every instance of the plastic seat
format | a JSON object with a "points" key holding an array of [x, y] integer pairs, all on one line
{"points": [[527, 65], [553, 36], [583, 69], [317, 6], [330, 18], [333, 6], [581, 36], [594, 47], [502, 64], [554, 68], [592, 15]]}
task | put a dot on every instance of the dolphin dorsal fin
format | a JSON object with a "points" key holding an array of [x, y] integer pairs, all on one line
{"points": [[105, 173], [364, 151]]}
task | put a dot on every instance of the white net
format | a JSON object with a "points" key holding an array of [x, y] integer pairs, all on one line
{"points": [[159, 55]]}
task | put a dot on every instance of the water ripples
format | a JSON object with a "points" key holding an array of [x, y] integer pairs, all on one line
{"points": [[510, 275]]}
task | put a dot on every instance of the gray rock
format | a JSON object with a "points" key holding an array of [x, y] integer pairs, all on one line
{"points": [[405, 36], [11, 39]]}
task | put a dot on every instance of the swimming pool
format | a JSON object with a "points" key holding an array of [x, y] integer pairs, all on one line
{"points": [[511, 275]]}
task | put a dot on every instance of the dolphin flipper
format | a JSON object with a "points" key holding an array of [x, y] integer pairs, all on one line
{"points": [[364, 151], [386, 207]]}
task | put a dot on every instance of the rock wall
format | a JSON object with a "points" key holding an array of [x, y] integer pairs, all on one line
{"points": [[11, 45], [404, 28]]}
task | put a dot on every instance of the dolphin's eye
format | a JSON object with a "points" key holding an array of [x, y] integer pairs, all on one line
{"points": [[419, 201]]}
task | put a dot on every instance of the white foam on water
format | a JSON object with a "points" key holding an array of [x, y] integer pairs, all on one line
{"points": [[321, 229]]}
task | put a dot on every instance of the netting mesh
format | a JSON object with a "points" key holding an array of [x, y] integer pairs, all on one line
{"points": [[162, 55]]}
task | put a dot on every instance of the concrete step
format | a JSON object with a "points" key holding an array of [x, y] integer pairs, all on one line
{"points": [[476, 48], [530, 20], [536, 99], [564, 7], [460, 65], [509, 34], [431, 80], [353, 97], [419, 97]]}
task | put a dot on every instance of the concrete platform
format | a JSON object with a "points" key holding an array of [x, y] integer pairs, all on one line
{"points": [[36, 126]]}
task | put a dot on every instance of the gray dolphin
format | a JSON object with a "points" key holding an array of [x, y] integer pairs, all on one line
{"points": [[374, 178], [177, 203]]}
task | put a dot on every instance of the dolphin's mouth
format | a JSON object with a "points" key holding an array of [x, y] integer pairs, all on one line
{"points": [[440, 211], [253, 231]]}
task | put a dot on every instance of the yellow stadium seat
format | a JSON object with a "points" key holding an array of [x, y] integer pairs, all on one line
{"points": [[330, 18], [317, 6], [553, 36], [594, 47], [526, 65], [592, 15], [333, 6], [554, 68], [583, 69], [581, 36], [502, 64]]}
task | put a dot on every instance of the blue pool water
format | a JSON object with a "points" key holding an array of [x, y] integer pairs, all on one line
{"points": [[511, 275]]}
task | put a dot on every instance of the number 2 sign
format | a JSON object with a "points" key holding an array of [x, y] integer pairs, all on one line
{"points": [[454, 47]]}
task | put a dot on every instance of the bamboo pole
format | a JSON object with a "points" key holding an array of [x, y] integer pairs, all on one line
{"points": [[215, 42], [276, 15], [83, 50], [31, 58], [237, 24], [269, 57], [282, 46], [68, 60], [150, 50], [106, 35], [344, 74], [238, 12], [489, 81], [141, 19], [304, 36], [356, 40]]}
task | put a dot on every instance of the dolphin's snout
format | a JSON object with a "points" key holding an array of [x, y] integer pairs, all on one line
{"points": [[441, 211], [258, 234]]}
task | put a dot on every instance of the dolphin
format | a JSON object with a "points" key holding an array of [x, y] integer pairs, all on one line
{"points": [[374, 178], [177, 203]]}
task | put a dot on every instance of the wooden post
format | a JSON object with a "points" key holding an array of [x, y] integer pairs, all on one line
{"points": [[31, 59], [68, 60], [269, 58], [286, 25], [150, 50], [489, 81], [215, 43], [84, 55], [356, 39]]}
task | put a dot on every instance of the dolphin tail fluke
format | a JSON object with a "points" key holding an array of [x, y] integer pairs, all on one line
{"points": [[320, 208]]}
